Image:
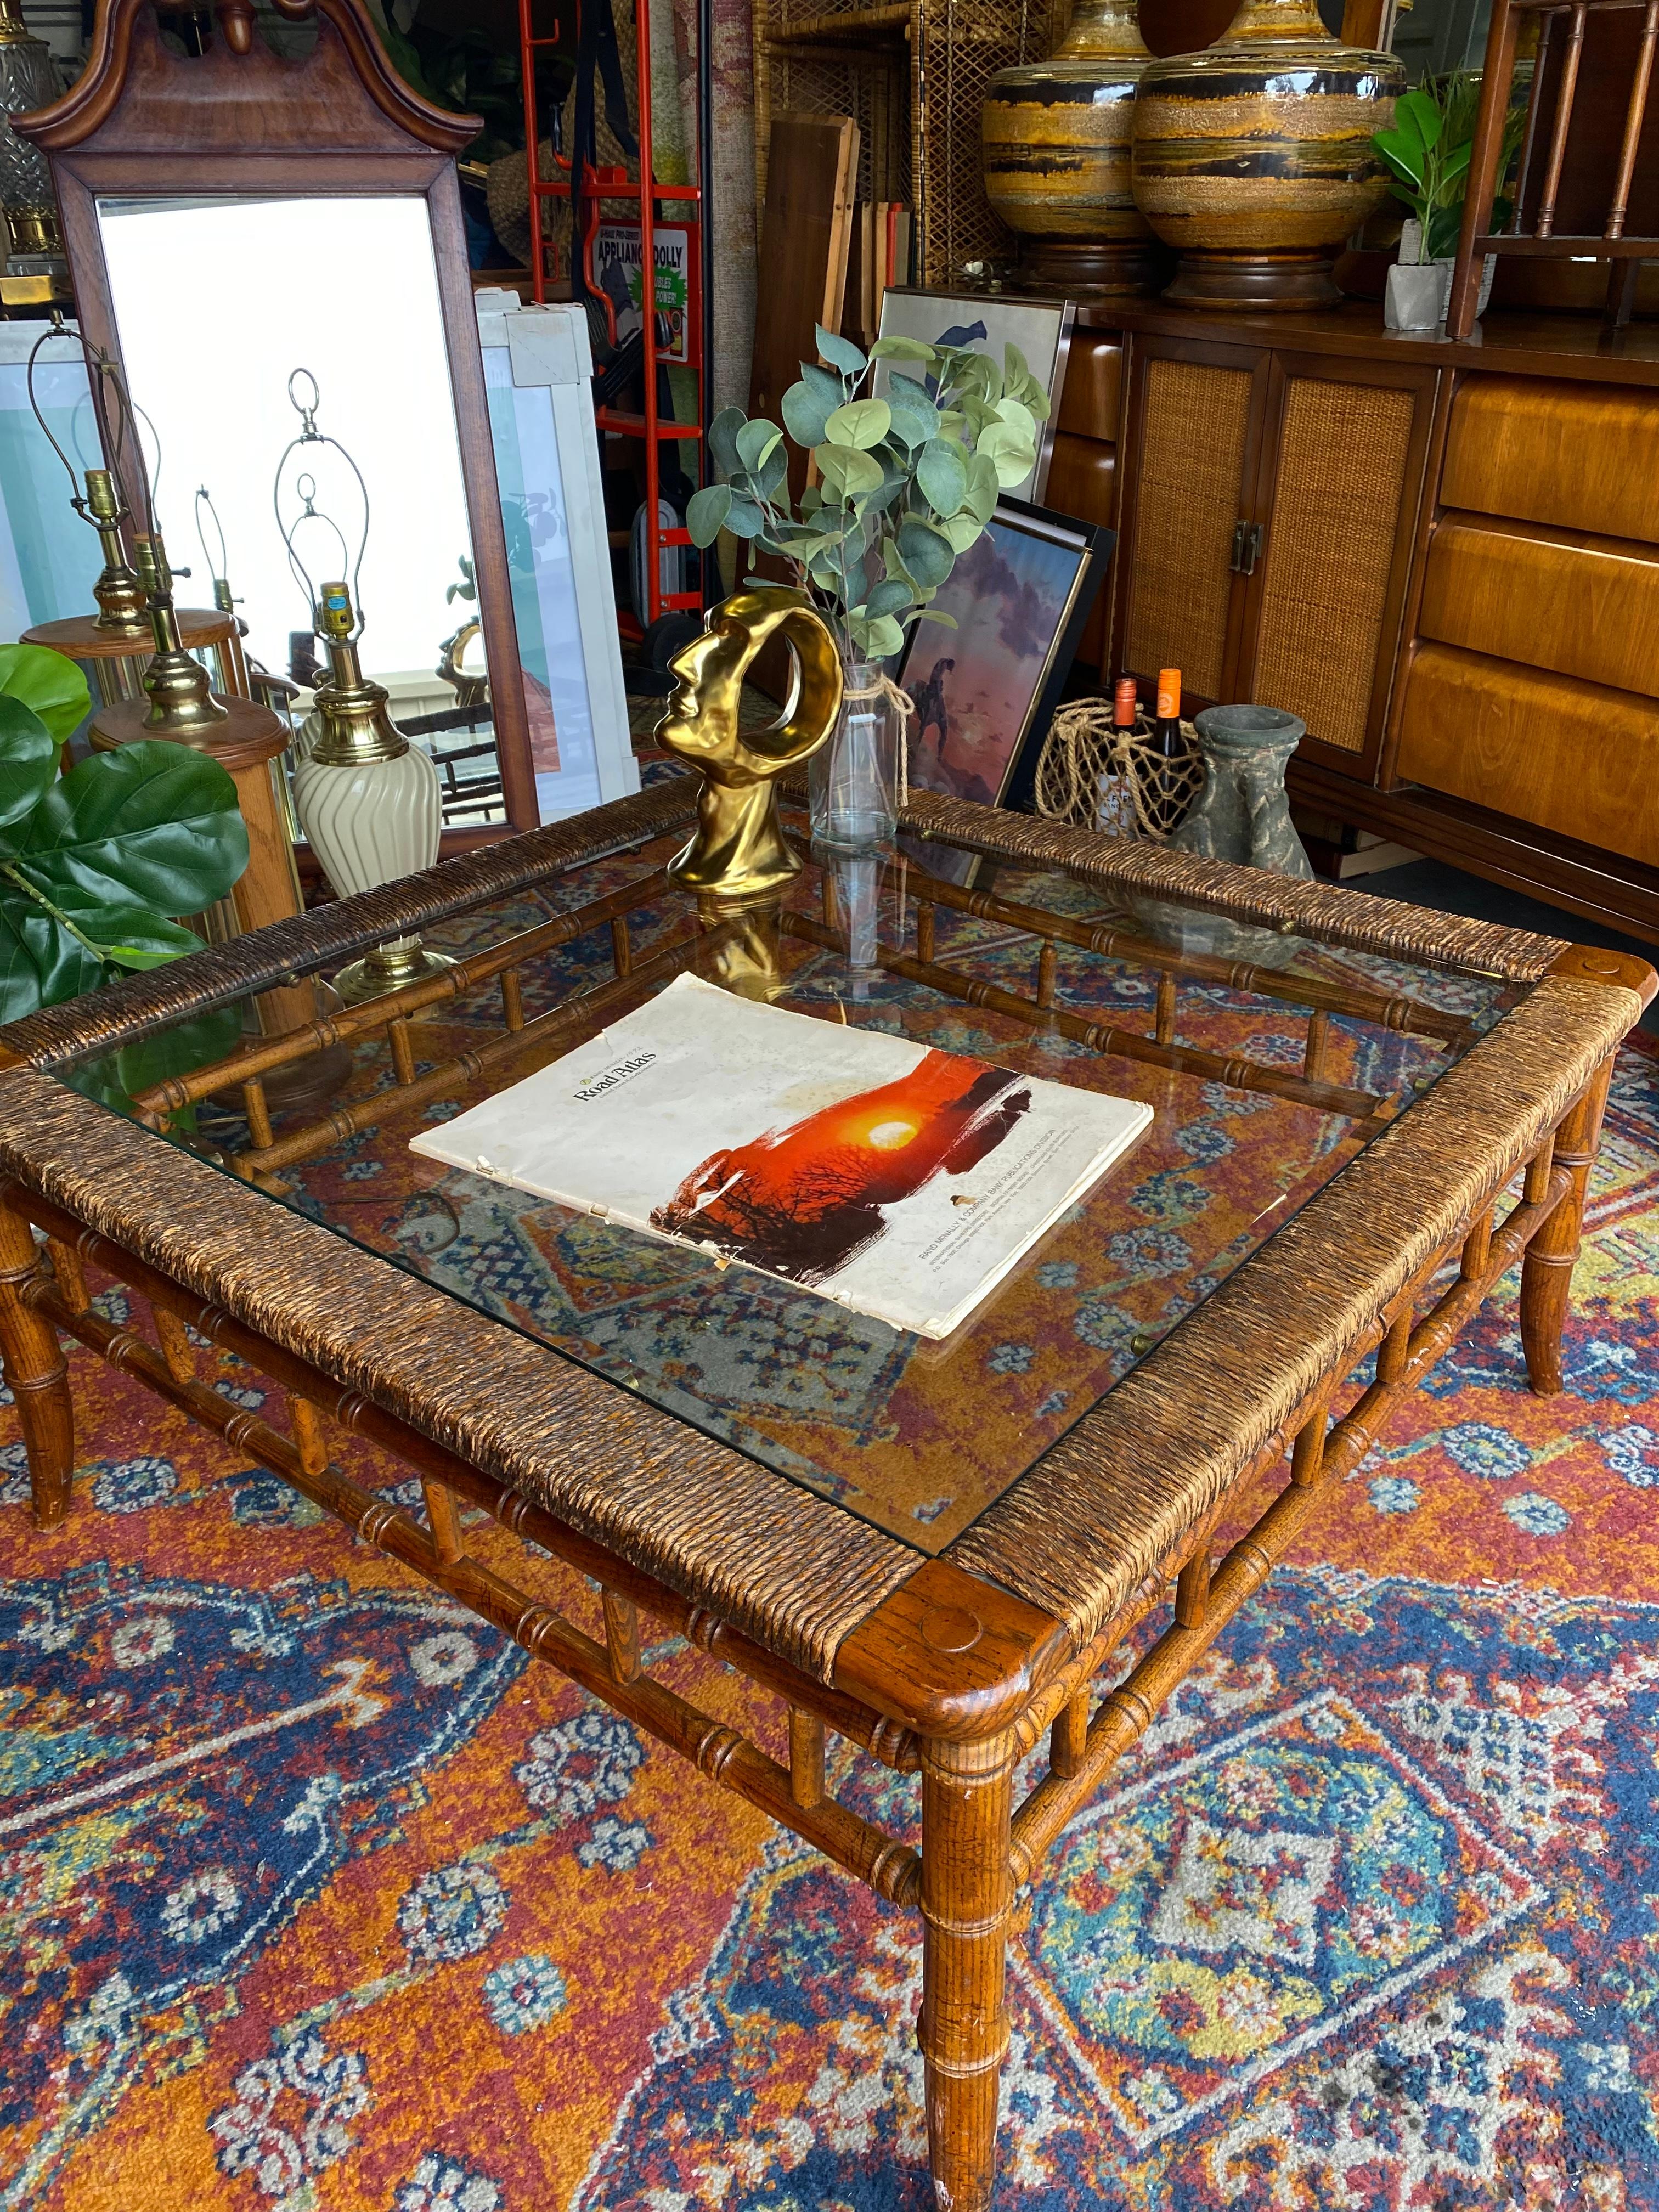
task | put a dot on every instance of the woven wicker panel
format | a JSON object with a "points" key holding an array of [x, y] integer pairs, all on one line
{"points": [[1336, 510], [872, 84], [1190, 495], [964, 43]]}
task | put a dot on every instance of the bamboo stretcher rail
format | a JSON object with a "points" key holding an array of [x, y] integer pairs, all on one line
{"points": [[890, 1868], [1389, 1012], [466, 1067], [1360, 1106], [308, 1387], [258, 1059], [1126, 1712]]}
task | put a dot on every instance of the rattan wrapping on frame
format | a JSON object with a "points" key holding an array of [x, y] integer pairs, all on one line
{"points": [[1098, 1512], [100, 1021], [1336, 511], [1354, 919], [785, 1566], [1188, 490]]}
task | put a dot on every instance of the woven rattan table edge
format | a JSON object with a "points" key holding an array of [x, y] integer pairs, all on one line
{"points": [[101, 1021], [1152, 1457], [791, 1569]]}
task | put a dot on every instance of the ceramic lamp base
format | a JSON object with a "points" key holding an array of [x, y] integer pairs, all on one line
{"points": [[1084, 269], [1253, 284]]}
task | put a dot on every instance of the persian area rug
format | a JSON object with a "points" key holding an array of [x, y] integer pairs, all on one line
{"points": [[316, 1896]]}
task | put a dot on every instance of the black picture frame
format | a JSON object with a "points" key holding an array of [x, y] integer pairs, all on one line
{"points": [[1016, 525]]}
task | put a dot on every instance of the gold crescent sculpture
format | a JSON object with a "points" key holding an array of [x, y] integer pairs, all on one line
{"points": [[738, 852]]}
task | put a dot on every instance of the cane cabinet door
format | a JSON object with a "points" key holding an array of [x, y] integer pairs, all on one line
{"points": [[1333, 523], [1196, 416]]}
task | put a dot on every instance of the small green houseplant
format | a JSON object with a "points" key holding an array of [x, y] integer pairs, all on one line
{"points": [[1427, 150], [903, 483], [95, 864]]}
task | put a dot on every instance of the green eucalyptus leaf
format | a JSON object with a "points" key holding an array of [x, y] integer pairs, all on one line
{"points": [[962, 530], [28, 764], [723, 439], [744, 519], [766, 480], [942, 474], [841, 353], [810, 501], [756, 440], [984, 487], [823, 383], [151, 822], [861, 423], [889, 597], [1016, 412], [927, 552], [806, 412], [915, 418], [876, 637], [45, 680], [1012, 455], [898, 348], [846, 469], [706, 512], [934, 615]]}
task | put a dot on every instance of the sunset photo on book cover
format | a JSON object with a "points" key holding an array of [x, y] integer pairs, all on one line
{"points": [[804, 1200]]}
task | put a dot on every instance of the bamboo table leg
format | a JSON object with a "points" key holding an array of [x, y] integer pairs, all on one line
{"points": [[1547, 1272], [37, 1375], [967, 1898]]}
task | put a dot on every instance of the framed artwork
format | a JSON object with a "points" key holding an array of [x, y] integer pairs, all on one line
{"points": [[1042, 329], [985, 692]]}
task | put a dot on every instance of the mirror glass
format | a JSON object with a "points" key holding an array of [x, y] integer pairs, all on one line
{"points": [[216, 301]]}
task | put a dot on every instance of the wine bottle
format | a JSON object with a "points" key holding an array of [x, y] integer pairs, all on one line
{"points": [[1166, 730]]}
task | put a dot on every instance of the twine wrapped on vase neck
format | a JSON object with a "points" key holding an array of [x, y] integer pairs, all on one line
{"points": [[905, 707]]}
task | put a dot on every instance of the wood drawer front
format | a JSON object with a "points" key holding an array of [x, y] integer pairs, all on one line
{"points": [[1091, 401], [1083, 481], [1342, 466], [1578, 605], [1575, 456], [1577, 758], [1196, 426]]}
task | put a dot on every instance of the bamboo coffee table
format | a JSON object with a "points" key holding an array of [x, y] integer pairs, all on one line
{"points": [[933, 1551]]}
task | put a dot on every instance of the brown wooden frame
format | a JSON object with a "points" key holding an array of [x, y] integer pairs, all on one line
{"points": [[944, 1666], [238, 119]]}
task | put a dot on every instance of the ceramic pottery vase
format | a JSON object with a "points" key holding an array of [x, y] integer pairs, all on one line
{"points": [[1056, 152], [1241, 814], [1255, 157]]}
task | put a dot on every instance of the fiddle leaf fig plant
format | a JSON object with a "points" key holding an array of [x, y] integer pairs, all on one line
{"points": [[904, 483], [95, 864]]}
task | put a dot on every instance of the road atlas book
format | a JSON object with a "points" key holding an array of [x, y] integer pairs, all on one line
{"points": [[900, 1182]]}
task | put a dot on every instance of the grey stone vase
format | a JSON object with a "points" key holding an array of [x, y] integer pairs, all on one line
{"points": [[1240, 815]]}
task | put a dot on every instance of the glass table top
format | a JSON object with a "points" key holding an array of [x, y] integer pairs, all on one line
{"points": [[1261, 1091]]}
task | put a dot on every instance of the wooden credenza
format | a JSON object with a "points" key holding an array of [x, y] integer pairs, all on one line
{"points": [[1444, 558]]}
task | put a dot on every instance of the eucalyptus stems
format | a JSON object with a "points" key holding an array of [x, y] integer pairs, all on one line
{"points": [[903, 484]]}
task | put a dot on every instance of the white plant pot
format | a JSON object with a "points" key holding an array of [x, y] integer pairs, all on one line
{"points": [[372, 823], [1419, 292]]}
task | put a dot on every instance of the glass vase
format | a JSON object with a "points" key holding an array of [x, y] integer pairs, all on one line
{"points": [[854, 782]]}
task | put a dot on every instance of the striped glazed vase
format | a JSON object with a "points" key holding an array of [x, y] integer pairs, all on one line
{"points": [[1253, 158], [1057, 151]]}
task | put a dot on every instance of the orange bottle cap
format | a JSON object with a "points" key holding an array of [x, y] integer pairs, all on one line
{"points": [[1169, 695], [1124, 704]]}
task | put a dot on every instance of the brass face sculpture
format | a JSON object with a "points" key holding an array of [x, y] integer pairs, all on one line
{"points": [[738, 854]]}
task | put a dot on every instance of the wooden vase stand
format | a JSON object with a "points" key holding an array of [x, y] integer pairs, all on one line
{"points": [[1090, 269], [1253, 284]]}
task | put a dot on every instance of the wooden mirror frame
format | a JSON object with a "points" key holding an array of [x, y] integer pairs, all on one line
{"points": [[240, 119]]}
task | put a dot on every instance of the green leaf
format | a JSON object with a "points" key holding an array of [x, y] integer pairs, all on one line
{"points": [[706, 512], [1012, 455], [45, 680], [942, 474], [806, 412], [151, 823], [915, 418], [1420, 111], [984, 487], [877, 638], [861, 424], [928, 553], [823, 383], [962, 530], [889, 597], [932, 614], [744, 519], [179, 1050], [28, 763], [847, 471], [765, 480], [756, 440], [1020, 415], [897, 348], [811, 499], [131, 935], [40, 962], [723, 439], [840, 352]]}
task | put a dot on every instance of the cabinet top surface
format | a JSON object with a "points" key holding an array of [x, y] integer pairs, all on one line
{"points": [[1564, 345]]}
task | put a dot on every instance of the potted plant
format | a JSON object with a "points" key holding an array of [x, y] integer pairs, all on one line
{"points": [[1427, 151], [903, 485], [94, 866]]}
